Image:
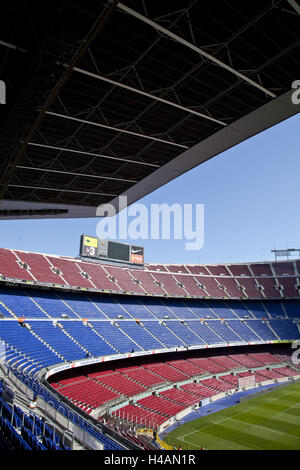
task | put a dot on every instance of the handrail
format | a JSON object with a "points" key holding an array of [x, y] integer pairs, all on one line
{"points": [[69, 433]]}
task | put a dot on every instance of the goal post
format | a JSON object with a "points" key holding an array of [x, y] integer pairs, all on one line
{"points": [[247, 382]]}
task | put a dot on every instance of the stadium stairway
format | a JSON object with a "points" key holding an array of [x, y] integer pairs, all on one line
{"points": [[91, 325], [20, 424], [273, 331], [181, 330], [155, 339], [39, 306], [2, 304], [42, 340], [59, 339], [256, 333], [175, 332], [201, 340], [112, 334], [136, 345], [71, 309]]}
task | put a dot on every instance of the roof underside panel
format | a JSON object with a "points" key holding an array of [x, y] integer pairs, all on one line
{"points": [[99, 98]]}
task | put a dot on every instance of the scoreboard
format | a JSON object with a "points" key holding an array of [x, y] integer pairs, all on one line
{"points": [[103, 249]]}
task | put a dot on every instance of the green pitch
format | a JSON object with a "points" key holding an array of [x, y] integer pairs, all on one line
{"points": [[268, 422]]}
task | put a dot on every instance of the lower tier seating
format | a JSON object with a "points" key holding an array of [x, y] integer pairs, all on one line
{"points": [[220, 373]]}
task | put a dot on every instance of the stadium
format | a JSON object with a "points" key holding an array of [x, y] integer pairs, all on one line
{"points": [[104, 350]]}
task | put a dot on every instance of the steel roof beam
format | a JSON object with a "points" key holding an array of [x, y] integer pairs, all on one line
{"points": [[59, 190], [195, 48], [295, 5], [147, 95], [12, 46], [63, 149], [117, 129], [70, 173]]}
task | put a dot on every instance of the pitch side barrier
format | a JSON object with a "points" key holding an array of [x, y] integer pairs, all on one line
{"points": [[271, 389]]}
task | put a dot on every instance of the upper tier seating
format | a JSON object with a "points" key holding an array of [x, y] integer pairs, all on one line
{"points": [[148, 282], [40, 267], [99, 277], [290, 286], [250, 287], [169, 283], [231, 287], [174, 268], [70, 272], [211, 286], [255, 280], [261, 269], [283, 268], [270, 288], [124, 280], [9, 266], [239, 269], [191, 285]]}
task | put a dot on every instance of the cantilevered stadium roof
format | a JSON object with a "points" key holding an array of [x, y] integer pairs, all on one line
{"points": [[116, 98]]}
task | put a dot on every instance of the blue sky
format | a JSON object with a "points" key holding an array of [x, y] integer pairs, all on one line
{"points": [[251, 204]]}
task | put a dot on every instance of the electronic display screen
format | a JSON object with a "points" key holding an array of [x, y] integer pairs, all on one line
{"points": [[97, 248]]}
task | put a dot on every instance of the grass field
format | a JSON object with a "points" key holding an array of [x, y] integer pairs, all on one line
{"points": [[267, 422]]}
